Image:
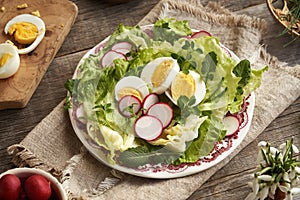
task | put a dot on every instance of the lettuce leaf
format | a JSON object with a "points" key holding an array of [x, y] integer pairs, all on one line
{"points": [[170, 30]]}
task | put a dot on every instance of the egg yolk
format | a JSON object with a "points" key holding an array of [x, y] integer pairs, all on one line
{"points": [[4, 58], [183, 85], [161, 72], [129, 91], [23, 32]]}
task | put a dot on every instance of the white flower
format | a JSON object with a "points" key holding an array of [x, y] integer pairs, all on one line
{"points": [[292, 174], [262, 144], [297, 169], [295, 149], [283, 188], [273, 151], [251, 196], [273, 188], [255, 186], [295, 190], [264, 192], [283, 147], [265, 177], [296, 182]]}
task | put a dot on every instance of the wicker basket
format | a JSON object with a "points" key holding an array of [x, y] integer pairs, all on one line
{"points": [[280, 15]]}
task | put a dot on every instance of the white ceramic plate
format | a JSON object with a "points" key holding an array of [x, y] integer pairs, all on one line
{"points": [[221, 149]]}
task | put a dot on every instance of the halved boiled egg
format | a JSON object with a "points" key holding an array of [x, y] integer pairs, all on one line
{"points": [[9, 60], [188, 85], [159, 73], [131, 85], [28, 30]]}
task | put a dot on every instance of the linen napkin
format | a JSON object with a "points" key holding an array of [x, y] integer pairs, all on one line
{"points": [[53, 146]]}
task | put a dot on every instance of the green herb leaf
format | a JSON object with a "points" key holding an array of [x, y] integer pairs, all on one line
{"points": [[142, 155]]}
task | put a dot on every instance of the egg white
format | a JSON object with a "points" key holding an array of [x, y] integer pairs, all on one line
{"points": [[200, 90], [149, 69], [11, 66], [132, 82], [38, 22]]}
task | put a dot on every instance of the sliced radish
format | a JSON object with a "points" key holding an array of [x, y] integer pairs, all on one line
{"points": [[226, 51], [200, 34], [100, 47], [123, 51], [149, 32], [122, 45], [108, 58], [163, 112], [231, 125], [129, 105], [149, 100], [148, 127]]}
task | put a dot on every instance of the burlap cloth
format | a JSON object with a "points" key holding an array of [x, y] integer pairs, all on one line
{"points": [[53, 146]]}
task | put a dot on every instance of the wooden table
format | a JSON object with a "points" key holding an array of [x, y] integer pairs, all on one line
{"points": [[96, 20]]}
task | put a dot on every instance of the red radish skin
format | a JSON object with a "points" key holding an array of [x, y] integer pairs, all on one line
{"points": [[148, 128], [231, 125], [127, 101], [226, 51], [10, 187], [122, 51], [37, 187], [148, 101], [108, 58], [200, 34], [163, 112]]}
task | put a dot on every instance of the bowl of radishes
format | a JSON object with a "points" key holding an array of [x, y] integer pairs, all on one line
{"points": [[30, 184]]}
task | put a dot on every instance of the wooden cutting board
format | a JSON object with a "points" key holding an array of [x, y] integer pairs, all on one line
{"points": [[59, 16]]}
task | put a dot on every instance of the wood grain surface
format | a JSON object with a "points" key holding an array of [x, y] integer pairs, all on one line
{"points": [[58, 17], [98, 19]]}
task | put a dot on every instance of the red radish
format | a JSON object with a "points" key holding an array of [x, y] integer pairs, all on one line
{"points": [[10, 187], [200, 34], [226, 51], [37, 188], [149, 100], [108, 58], [149, 32], [163, 112], [129, 105], [231, 125], [148, 127], [122, 51], [122, 45], [100, 47]]}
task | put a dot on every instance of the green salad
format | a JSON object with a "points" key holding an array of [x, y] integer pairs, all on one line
{"points": [[159, 93]]}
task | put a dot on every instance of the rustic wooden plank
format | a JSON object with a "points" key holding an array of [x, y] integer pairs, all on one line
{"points": [[230, 181], [58, 17], [92, 26]]}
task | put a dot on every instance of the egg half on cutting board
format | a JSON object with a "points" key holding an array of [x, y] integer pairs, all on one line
{"points": [[9, 60], [27, 31]]}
